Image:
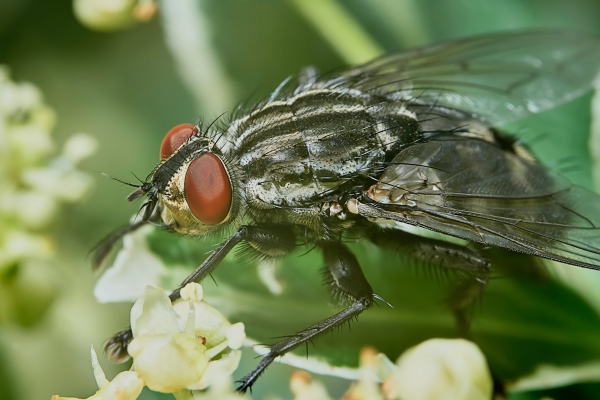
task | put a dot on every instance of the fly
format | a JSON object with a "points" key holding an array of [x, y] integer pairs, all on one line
{"points": [[407, 139]]}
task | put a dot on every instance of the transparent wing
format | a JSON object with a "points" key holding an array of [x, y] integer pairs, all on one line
{"points": [[472, 189], [499, 77]]}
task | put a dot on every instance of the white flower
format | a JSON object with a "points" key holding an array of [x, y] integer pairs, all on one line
{"points": [[64, 185], [126, 385], [440, 369], [170, 353], [79, 147], [29, 145], [188, 346], [17, 97], [35, 209], [134, 268], [18, 245]]}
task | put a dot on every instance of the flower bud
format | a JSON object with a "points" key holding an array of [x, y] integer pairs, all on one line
{"points": [[451, 369]]}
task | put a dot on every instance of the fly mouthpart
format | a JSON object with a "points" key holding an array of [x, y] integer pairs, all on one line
{"points": [[149, 208], [139, 192]]}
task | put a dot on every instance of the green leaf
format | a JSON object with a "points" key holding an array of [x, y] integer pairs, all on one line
{"points": [[148, 394], [524, 319], [7, 376]]}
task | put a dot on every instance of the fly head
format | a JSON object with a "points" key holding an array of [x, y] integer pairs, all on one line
{"points": [[192, 186]]}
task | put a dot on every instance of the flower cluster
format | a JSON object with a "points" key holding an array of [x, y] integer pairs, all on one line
{"points": [[188, 347], [169, 358], [450, 369], [180, 349], [34, 183]]}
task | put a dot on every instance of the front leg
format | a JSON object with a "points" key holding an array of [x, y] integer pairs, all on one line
{"points": [[347, 280], [272, 241]]}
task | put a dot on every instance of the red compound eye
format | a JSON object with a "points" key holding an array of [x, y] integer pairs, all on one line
{"points": [[207, 189], [175, 138]]}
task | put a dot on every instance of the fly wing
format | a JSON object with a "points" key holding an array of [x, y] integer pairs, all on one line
{"points": [[472, 189], [498, 78]]}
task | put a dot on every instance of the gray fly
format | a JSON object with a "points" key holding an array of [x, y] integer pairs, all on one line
{"points": [[407, 139]]}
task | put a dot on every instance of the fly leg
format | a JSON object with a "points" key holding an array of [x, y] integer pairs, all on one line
{"points": [[348, 281], [461, 301], [271, 241], [471, 267], [106, 245], [102, 250]]}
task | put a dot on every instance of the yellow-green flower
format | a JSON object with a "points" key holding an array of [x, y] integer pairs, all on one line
{"points": [[35, 181], [183, 347]]}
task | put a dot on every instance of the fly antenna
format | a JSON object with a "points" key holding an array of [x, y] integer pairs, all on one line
{"points": [[120, 180], [139, 180]]}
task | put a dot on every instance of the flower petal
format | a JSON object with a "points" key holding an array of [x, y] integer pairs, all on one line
{"points": [[134, 268], [217, 369], [236, 335], [127, 385], [210, 323], [153, 314], [101, 380], [168, 363]]}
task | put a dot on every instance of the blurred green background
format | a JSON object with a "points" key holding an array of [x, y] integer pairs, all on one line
{"points": [[125, 89]]}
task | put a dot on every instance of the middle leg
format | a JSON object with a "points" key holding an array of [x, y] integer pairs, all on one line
{"points": [[348, 281], [470, 266]]}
